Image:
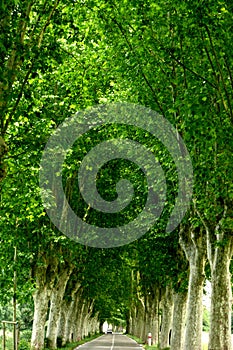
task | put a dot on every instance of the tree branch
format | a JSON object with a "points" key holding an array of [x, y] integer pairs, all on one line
{"points": [[220, 74], [8, 120], [41, 35]]}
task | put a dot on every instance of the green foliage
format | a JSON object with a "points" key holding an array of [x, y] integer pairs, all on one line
{"points": [[206, 320], [6, 312], [24, 344], [59, 57], [9, 342]]}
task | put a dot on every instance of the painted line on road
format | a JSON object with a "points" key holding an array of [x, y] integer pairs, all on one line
{"points": [[90, 341], [113, 341]]}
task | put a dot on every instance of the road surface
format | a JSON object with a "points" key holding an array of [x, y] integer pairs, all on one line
{"points": [[111, 342]]}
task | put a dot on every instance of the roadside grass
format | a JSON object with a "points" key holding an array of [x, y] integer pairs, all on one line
{"points": [[138, 340], [146, 347], [25, 340], [74, 345], [155, 347], [9, 342]]}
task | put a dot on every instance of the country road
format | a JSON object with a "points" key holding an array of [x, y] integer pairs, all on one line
{"points": [[111, 342]]}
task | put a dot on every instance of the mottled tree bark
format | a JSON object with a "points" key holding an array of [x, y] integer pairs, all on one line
{"points": [[69, 307], [167, 311], [221, 296], [152, 301], [220, 251], [45, 277], [62, 322], [74, 312], [178, 321], [139, 319], [41, 298], [193, 243], [55, 306]]}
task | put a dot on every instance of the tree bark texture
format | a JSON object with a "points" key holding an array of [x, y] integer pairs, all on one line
{"points": [[193, 242], [45, 277], [55, 307], [221, 297], [178, 321], [152, 321], [41, 299], [167, 311]]}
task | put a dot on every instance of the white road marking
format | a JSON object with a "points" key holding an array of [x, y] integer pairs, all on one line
{"points": [[113, 340]]}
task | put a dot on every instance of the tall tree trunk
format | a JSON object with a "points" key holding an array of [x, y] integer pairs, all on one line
{"points": [[134, 319], [193, 333], [193, 243], [68, 324], [221, 296], [178, 321], [71, 321], [167, 311], [62, 323], [83, 326], [140, 320], [129, 328], [79, 325], [220, 251], [152, 301], [67, 311], [76, 316], [94, 324], [45, 276], [41, 299], [55, 307]]}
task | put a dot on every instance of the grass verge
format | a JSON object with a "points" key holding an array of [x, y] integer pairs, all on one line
{"points": [[138, 340], [71, 346], [145, 346]]}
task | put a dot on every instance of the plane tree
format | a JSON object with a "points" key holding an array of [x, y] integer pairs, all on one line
{"points": [[58, 58], [183, 62]]}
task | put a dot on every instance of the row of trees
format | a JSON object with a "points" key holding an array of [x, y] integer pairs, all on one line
{"points": [[175, 58]]}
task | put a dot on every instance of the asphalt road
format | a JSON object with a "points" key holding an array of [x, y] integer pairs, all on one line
{"points": [[111, 342]]}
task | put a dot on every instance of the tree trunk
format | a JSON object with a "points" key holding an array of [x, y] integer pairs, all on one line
{"points": [[94, 325], [221, 297], [178, 321], [193, 334], [139, 320], [84, 322], [76, 316], [167, 311], [67, 312], [68, 323], [152, 316], [194, 245], [133, 319], [45, 276], [71, 321], [129, 323], [41, 299], [62, 323], [55, 307]]}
